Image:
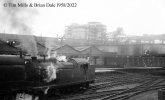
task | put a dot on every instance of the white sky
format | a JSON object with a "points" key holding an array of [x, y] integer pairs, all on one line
{"points": [[137, 17]]}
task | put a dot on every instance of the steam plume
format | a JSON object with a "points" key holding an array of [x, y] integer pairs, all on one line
{"points": [[50, 44], [51, 73], [19, 20]]}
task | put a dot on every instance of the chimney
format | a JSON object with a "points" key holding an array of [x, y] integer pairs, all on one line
{"points": [[34, 58], [44, 57], [20, 54]]}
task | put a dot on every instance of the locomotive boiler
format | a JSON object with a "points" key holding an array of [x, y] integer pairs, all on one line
{"points": [[41, 76]]}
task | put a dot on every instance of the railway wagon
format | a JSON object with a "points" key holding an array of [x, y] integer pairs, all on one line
{"points": [[42, 76]]}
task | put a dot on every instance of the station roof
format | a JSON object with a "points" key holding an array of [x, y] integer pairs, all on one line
{"points": [[42, 50], [66, 50], [92, 50], [6, 48], [81, 48]]}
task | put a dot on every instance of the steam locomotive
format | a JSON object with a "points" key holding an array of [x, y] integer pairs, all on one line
{"points": [[41, 76]]}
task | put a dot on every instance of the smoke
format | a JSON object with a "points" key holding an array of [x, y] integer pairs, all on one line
{"points": [[19, 20], [62, 58], [50, 44], [51, 73]]}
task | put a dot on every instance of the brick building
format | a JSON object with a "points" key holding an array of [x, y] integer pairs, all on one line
{"points": [[90, 31]]}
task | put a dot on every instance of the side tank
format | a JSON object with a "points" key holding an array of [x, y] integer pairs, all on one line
{"points": [[76, 71]]}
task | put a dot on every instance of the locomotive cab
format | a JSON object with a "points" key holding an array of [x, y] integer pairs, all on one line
{"points": [[84, 70]]}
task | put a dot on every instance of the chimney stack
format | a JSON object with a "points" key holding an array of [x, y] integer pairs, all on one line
{"points": [[34, 58], [20, 54]]}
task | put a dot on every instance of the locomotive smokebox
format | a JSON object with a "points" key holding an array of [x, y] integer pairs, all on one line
{"points": [[34, 59]]}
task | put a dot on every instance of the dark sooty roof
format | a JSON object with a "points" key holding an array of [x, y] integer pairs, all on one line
{"points": [[5, 48]]}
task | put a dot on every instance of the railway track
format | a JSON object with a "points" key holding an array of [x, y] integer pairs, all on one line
{"points": [[124, 95], [103, 89], [115, 86]]}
